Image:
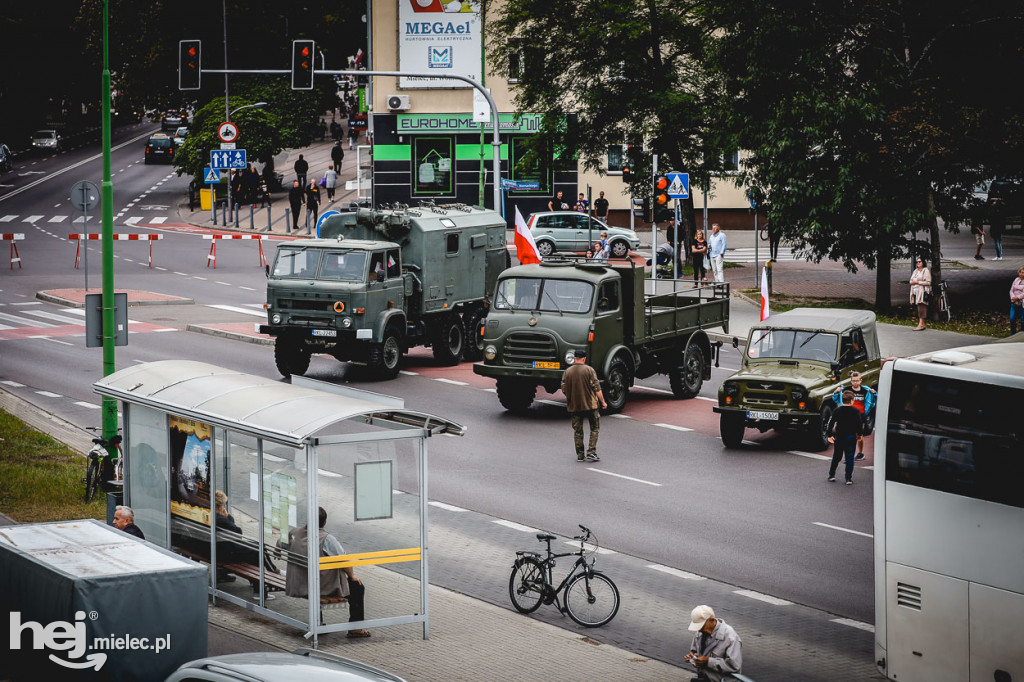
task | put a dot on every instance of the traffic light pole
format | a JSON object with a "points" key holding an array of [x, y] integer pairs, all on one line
{"points": [[108, 405], [495, 138], [654, 224]]}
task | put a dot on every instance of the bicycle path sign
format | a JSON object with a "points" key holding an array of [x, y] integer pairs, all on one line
{"points": [[230, 158], [678, 185]]}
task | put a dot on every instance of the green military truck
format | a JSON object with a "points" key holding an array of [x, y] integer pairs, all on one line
{"points": [[378, 282], [541, 314], [792, 364]]}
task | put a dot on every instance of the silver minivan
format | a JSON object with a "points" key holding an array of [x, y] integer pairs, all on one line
{"points": [[46, 140], [569, 231]]}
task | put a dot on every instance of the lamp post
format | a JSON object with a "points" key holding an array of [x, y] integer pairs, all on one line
{"points": [[257, 105], [108, 405]]}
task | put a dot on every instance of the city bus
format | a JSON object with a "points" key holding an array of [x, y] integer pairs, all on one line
{"points": [[949, 515]]}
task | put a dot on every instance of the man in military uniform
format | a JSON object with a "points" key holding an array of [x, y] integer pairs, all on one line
{"points": [[582, 395]]}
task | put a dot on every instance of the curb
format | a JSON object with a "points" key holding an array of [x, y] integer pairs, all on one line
{"points": [[50, 298], [235, 336]]}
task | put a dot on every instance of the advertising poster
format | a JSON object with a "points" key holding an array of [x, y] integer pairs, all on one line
{"points": [[439, 36], [190, 469]]}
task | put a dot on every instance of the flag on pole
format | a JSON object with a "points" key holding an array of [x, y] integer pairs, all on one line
{"points": [[526, 248], [765, 312], [359, 56]]}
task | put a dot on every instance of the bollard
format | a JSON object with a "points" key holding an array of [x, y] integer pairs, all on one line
{"points": [[287, 221], [224, 215], [237, 211], [307, 220], [270, 224], [252, 217]]}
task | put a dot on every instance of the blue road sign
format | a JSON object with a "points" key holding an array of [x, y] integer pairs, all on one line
{"points": [[324, 216], [227, 158], [519, 184], [211, 175], [678, 185]]}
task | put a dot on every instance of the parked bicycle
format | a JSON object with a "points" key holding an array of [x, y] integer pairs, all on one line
{"points": [[101, 465], [944, 310], [590, 598]]}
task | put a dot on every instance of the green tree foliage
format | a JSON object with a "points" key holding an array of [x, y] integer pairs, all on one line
{"points": [[630, 72], [259, 135]]}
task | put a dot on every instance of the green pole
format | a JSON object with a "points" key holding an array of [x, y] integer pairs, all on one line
{"points": [[483, 76], [109, 405]]}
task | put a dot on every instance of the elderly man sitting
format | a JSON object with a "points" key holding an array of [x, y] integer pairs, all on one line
{"points": [[124, 519], [716, 649]]}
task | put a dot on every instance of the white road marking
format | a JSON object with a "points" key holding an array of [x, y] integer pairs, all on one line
{"points": [[27, 303], [651, 388], [160, 268], [621, 416], [552, 402], [52, 316], [491, 390], [82, 219], [7, 218], [810, 455], [450, 381], [590, 548], [32, 219], [845, 530], [83, 404], [867, 627], [158, 220], [12, 384], [868, 468], [676, 572], [408, 373], [57, 219], [63, 343], [628, 478], [749, 442], [249, 289], [763, 597], [24, 321], [227, 284], [673, 427], [236, 309], [183, 274], [448, 507], [515, 526], [200, 278], [710, 400]]}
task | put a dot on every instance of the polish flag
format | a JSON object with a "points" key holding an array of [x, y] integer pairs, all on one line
{"points": [[526, 248], [765, 312], [359, 56]]}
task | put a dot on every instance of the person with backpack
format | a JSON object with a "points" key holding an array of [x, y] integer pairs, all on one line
{"points": [[864, 400]]}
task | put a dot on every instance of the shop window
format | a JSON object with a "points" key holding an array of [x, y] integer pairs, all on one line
{"points": [[529, 164], [433, 166], [616, 158]]}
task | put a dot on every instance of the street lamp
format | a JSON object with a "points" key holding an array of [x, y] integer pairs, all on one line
{"points": [[257, 105]]}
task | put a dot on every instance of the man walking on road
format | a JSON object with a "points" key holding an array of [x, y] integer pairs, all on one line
{"points": [[716, 649], [296, 197], [864, 399], [844, 428], [301, 168], [716, 251], [582, 396]]}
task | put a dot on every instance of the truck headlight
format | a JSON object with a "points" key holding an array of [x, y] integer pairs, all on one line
{"points": [[346, 322], [570, 357], [490, 352], [276, 319]]}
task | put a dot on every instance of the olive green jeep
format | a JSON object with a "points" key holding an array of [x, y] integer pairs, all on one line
{"points": [[792, 364]]}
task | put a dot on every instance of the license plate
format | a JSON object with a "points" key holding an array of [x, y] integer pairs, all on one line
{"points": [[325, 332], [764, 416], [541, 364]]}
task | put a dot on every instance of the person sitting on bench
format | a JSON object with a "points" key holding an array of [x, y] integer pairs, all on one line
{"points": [[334, 582], [231, 551]]}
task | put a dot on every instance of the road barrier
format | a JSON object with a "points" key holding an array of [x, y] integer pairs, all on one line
{"points": [[117, 238], [11, 237], [212, 257]]}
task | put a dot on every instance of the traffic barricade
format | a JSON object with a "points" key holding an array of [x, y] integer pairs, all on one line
{"points": [[212, 257], [117, 238], [12, 238]]}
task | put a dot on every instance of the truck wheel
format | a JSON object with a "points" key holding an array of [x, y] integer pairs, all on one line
{"points": [[474, 322], [619, 249], [731, 427], [545, 248], [618, 387], [386, 356], [290, 356], [687, 378], [515, 395], [449, 340], [819, 439]]}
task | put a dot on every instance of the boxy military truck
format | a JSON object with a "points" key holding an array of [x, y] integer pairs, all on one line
{"points": [[378, 282], [541, 314]]}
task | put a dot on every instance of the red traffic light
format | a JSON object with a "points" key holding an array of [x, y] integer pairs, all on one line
{"points": [[661, 197]]}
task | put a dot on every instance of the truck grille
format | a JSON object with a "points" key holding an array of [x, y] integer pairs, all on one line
{"points": [[304, 304], [523, 348], [773, 399]]}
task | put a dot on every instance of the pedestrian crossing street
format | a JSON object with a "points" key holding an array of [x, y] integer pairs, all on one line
{"points": [[41, 220], [39, 320], [746, 254]]}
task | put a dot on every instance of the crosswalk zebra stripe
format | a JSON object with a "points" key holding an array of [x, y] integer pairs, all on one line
{"points": [[53, 316], [23, 321], [7, 218], [57, 219]]}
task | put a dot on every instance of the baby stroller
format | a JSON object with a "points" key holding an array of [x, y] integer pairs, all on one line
{"points": [[663, 267]]}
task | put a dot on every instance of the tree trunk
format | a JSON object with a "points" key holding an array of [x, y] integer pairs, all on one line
{"points": [[883, 279], [689, 226], [936, 256]]}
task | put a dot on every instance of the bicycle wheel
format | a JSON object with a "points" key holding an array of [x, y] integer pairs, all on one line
{"points": [[526, 585], [591, 600], [92, 479]]}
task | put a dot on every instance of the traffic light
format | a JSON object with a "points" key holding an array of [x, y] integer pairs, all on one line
{"points": [[303, 52], [642, 208], [627, 174], [660, 199], [189, 64]]}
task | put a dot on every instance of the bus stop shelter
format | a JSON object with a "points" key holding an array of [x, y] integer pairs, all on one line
{"points": [[233, 469]]}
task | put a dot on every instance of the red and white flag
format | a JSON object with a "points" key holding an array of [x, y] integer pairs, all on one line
{"points": [[765, 312], [359, 56], [526, 248]]}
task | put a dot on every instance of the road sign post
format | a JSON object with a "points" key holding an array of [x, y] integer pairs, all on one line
{"points": [[85, 195]]}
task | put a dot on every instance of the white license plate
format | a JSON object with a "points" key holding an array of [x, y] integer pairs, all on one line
{"points": [[764, 416], [325, 332]]}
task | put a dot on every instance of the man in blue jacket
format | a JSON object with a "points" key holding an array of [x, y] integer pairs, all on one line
{"points": [[864, 400]]}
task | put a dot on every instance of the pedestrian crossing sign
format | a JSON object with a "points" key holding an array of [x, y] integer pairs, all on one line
{"points": [[212, 176], [679, 185]]}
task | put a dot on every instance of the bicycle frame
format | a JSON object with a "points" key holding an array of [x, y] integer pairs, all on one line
{"points": [[549, 565]]}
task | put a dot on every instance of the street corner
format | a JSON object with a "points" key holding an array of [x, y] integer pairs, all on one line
{"points": [[75, 298], [238, 331]]}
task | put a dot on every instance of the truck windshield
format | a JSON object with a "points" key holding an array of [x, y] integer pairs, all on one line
{"points": [[555, 295], [296, 263], [792, 344], [345, 266]]}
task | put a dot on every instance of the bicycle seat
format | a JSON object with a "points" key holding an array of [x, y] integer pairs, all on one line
{"points": [[98, 441], [545, 536]]}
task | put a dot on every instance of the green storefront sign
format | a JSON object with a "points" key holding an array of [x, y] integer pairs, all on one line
{"points": [[464, 123]]}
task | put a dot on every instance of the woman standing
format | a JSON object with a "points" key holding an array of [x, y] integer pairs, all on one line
{"points": [[313, 201], [1017, 303], [699, 250], [330, 182], [920, 291]]}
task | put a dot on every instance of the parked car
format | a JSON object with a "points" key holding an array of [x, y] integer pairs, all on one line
{"points": [[5, 159], [179, 136], [1005, 198], [47, 140], [159, 149], [567, 231], [301, 664], [173, 120]]}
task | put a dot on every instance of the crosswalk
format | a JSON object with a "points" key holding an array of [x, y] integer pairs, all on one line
{"points": [[39, 320], [39, 220], [746, 254]]}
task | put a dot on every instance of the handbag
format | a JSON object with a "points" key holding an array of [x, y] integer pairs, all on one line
{"points": [[323, 181], [927, 297]]}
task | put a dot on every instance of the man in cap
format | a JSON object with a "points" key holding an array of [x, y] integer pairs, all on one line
{"points": [[716, 648], [582, 395]]}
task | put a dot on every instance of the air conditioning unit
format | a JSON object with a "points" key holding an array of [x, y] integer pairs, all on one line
{"points": [[398, 103]]}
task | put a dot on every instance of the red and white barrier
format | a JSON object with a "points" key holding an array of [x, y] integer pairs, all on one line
{"points": [[117, 238], [11, 237], [212, 257]]}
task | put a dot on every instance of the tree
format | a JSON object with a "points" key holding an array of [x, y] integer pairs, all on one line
{"points": [[603, 72]]}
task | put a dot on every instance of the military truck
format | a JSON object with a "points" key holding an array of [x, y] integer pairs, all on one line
{"points": [[542, 313], [378, 282], [792, 364]]}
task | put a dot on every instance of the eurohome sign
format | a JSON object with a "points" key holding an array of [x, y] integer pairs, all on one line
{"points": [[435, 35]]}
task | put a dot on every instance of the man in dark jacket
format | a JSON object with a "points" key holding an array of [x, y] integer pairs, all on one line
{"points": [[337, 156], [301, 168], [582, 396], [124, 519], [843, 428], [296, 197]]}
